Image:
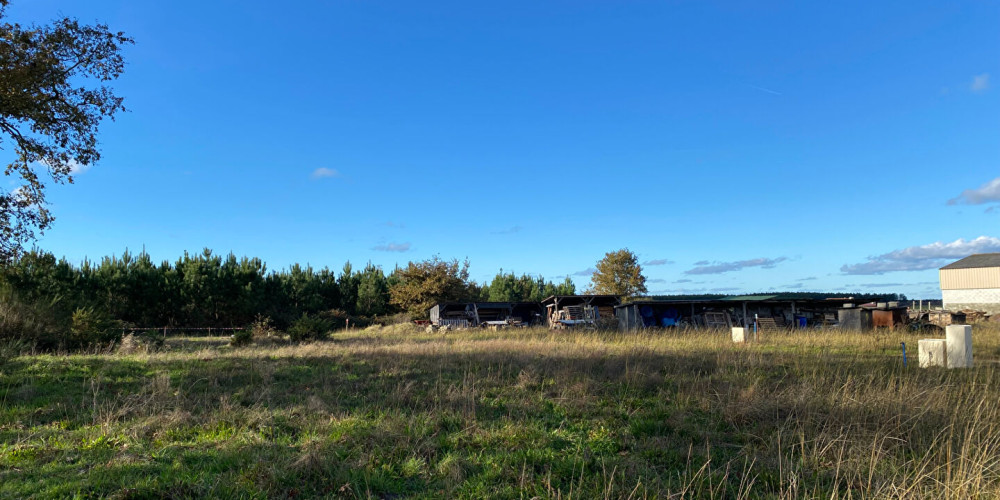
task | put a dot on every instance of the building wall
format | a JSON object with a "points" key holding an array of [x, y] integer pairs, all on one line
{"points": [[973, 278], [979, 299]]}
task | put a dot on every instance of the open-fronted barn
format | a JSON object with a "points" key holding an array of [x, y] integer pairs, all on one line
{"points": [[473, 314], [723, 311], [972, 283], [572, 310]]}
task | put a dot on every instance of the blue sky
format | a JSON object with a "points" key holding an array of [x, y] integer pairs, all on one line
{"points": [[741, 146]]}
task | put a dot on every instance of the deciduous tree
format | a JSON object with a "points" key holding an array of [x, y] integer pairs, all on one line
{"points": [[423, 284], [53, 97], [619, 273]]}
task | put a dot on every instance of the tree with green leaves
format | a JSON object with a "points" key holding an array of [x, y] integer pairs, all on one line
{"points": [[373, 292], [619, 273], [506, 287], [423, 284], [53, 97], [348, 283]]}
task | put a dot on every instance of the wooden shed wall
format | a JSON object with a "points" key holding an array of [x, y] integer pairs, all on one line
{"points": [[962, 279]]}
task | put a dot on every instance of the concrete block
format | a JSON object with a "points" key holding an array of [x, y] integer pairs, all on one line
{"points": [[932, 352], [739, 334], [959, 339]]}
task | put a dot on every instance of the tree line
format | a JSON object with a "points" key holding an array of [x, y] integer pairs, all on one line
{"points": [[211, 290]]}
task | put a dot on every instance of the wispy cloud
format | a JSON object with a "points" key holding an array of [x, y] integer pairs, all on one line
{"points": [[811, 278], [879, 285], [657, 262], [75, 167], [586, 272], [701, 263], [987, 193], [704, 267], [509, 230], [324, 173], [795, 286], [685, 280], [762, 89], [980, 82], [657, 280], [725, 289], [397, 225], [392, 247], [919, 258]]}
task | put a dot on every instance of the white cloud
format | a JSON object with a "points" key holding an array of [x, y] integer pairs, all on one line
{"points": [[392, 247], [77, 168], [703, 267], [324, 173], [980, 82], [18, 194], [919, 258], [987, 193]]}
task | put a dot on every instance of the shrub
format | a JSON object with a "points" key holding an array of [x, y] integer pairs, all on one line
{"points": [[262, 330], [308, 328], [262, 327], [142, 341], [91, 327], [12, 348], [242, 338], [36, 324]]}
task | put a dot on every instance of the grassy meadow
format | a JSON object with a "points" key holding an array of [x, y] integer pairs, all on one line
{"points": [[393, 413]]}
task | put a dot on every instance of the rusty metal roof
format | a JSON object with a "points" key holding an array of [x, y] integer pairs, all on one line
{"points": [[977, 260]]}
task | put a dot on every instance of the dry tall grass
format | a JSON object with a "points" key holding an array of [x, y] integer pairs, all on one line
{"points": [[384, 413]]}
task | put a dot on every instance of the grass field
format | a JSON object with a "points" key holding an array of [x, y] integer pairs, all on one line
{"points": [[383, 414]]}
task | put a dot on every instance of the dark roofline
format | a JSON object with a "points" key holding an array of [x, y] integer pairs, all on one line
{"points": [[750, 299], [976, 261], [595, 296]]}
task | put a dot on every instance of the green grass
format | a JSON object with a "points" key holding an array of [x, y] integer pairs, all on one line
{"points": [[384, 414]]}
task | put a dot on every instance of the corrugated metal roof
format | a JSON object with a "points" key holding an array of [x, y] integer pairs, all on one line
{"points": [[757, 297], [552, 298], [977, 260], [799, 297], [750, 298]]}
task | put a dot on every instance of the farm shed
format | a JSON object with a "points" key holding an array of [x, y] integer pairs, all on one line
{"points": [[471, 314], [855, 318], [717, 311], [570, 310], [972, 283], [889, 317]]}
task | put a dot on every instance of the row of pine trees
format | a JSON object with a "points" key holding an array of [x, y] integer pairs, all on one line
{"points": [[210, 290]]}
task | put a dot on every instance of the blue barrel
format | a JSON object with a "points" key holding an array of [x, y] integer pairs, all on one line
{"points": [[801, 321]]}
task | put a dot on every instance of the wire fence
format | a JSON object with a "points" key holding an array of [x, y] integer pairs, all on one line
{"points": [[175, 331]]}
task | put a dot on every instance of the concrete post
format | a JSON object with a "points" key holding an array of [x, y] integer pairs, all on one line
{"points": [[739, 334], [932, 352], [959, 339]]}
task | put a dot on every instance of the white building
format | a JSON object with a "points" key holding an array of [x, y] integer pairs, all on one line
{"points": [[972, 283]]}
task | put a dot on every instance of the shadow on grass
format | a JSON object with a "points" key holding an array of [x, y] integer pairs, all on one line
{"points": [[425, 419]]}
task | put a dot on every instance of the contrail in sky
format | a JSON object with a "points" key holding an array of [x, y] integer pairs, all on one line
{"points": [[769, 91]]}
